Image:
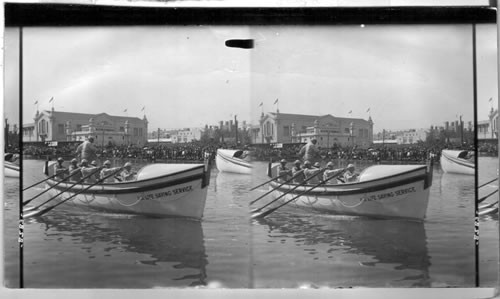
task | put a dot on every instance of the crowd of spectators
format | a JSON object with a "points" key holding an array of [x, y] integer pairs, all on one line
{"points": [[198, 151]]}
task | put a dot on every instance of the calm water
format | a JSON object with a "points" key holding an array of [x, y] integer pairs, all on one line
{"points": [[73, 248]]}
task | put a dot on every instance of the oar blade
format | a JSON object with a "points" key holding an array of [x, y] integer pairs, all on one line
{"points": [[27, 209], [488, 211], [35, 213], [259, 215]]}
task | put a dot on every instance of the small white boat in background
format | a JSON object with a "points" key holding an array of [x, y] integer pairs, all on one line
{"points": [[160, 190], [10, 170], [455, 161], [383, 191], [231, 161]]}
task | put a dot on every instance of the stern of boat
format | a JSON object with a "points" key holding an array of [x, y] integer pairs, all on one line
{"points": [[429, 172]]}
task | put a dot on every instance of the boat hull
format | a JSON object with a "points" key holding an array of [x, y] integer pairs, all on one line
{"points": [[405, 195], [226, 162], [450, 163], [11, 170], [178, 194]]}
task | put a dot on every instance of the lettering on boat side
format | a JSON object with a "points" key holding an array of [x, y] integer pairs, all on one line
{"points": [[389, 194], [175, 191]]}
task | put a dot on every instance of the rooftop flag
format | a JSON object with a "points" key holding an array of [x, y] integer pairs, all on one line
{"points": [[276, 101], [51, 99], [262, 103]]}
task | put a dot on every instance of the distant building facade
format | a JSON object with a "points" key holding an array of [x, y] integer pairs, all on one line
{"points": [[50, 126], [328, 130], [488, 129]]}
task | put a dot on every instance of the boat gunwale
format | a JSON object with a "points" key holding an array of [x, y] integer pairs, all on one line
{"points": [[362, 190]]}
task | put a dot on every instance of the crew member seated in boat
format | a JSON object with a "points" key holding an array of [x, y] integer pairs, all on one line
{"points": [[298, 173], [74, 171], [349, 175], [311, 173], [107, 171], [330, 175], [127, 174], [283, 172], [88, 171], [59, 170]]}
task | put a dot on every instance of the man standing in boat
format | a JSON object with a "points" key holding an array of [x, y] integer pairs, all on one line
{"points": [[87, 150], [310, 152], [283, 172]]}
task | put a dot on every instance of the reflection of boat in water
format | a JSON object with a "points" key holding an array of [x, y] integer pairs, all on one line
{"points": [[399, 243], [453, 161], [163, 240], [10, 170], [172, 190], [231, 161], [383, 191]]}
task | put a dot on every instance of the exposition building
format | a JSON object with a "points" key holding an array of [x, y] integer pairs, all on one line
{"points": [[284, 128], [56, 126]]}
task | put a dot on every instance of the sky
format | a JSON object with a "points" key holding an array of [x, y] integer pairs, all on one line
{"points": [[404, 77]]}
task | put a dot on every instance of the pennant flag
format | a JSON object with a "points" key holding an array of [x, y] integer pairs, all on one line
{"points": [[125, 110], [276, 101], [261, 104], [350, 112], [490, 99], [36, 102], [368, 110], [51, 99], [143, 108]]}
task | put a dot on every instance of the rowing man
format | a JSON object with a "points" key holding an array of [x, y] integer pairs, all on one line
{"points": [[311, 173], [283, 171], [74, 171], [127, 174], [107, 171], [349, 175], [330, 174], [298, 173], [59, 170]]}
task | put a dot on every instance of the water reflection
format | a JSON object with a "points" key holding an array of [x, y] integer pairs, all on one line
{"points": [[170, 240], [401, 244]]}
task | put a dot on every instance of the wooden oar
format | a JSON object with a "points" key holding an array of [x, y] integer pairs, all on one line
{"points": [[488, 205], [286, 182], [48, 209], [50, 177], [44, 191], [288, 191], [495, 179], [264, 214], [484, 197], [275, 178], [70, 187], [488, 211]]}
